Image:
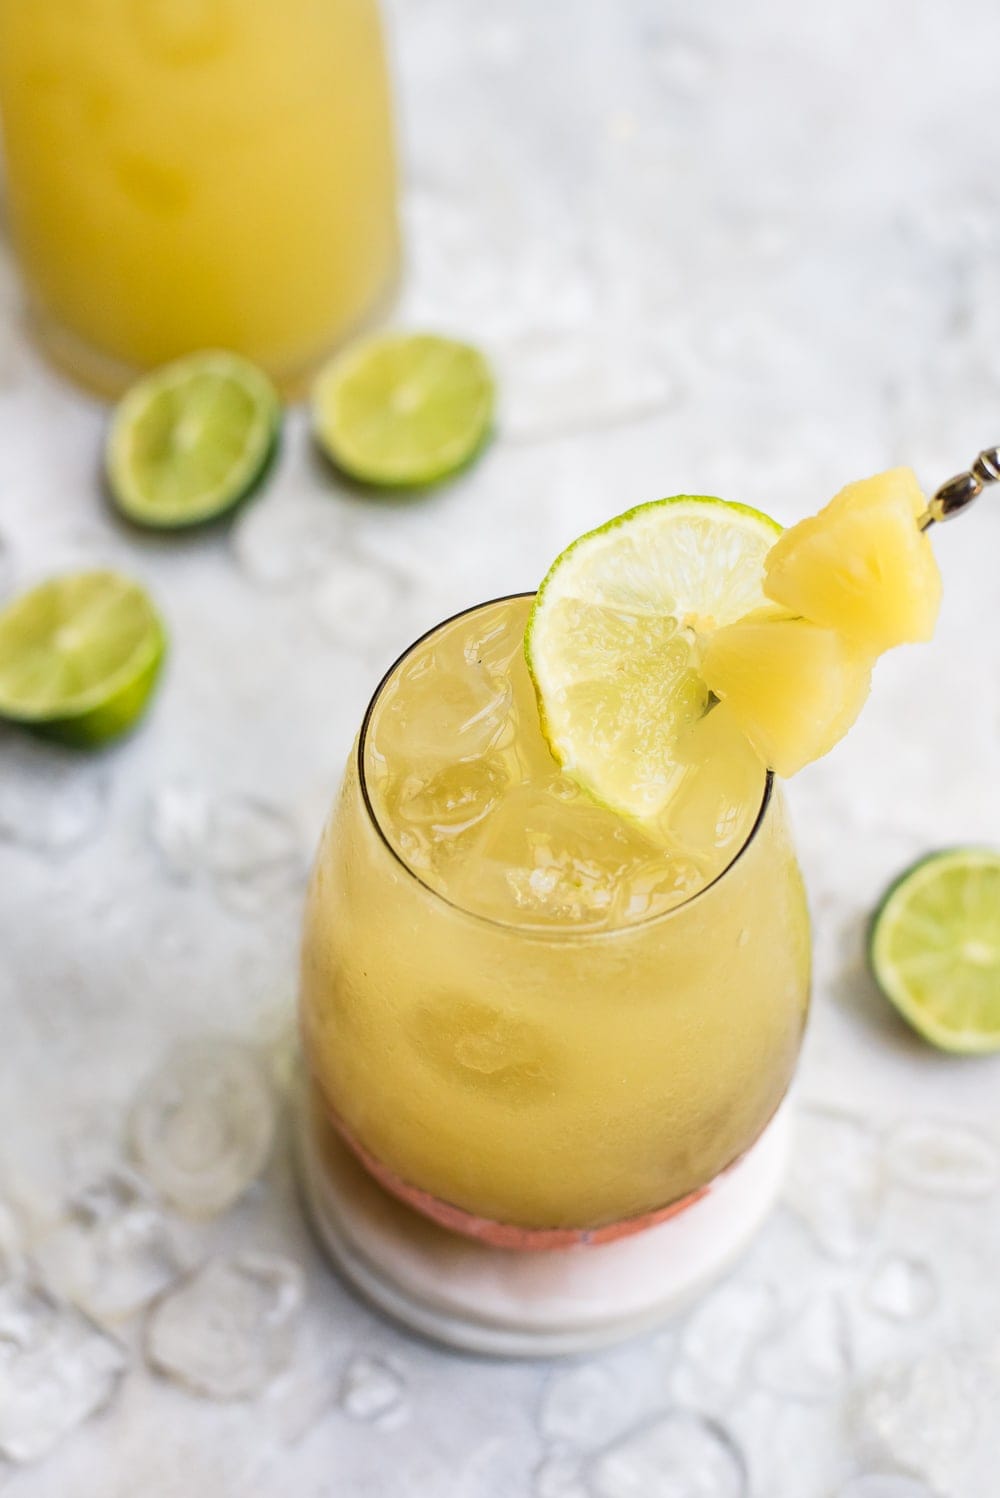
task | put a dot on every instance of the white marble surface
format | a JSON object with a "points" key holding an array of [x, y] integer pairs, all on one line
{"points": [[751, 250]]}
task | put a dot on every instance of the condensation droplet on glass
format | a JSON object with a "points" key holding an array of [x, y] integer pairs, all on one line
{"points": [[678, 1455], [57, 1368], [51, 800], [373, 1389], [229, 1328], [902, 1288], [942, 1158], [809, 1356], [114, 1251], [202, 1126]]}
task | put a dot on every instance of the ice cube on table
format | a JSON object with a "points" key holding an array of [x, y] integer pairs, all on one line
{"points": [[51, 800], [286, 540], [114, 1251], [884, 1485], [678, 1455], [202, 1126], [583, 1405], [809, 1356], [248, 848], [902, 1288], [57, 1368], [935, 1417], [373, 1389], [177, 818], [229, 1328], [717, 1341], [11, 1245], [835, 1182], [358, 602], [253, 852], [942, 1158], [558, 1475]]}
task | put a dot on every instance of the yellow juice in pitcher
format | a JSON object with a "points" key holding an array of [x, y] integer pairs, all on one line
{"points": [[186, 174]]}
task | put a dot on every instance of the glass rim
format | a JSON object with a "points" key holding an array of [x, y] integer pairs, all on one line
{"points": [[523, 929]]}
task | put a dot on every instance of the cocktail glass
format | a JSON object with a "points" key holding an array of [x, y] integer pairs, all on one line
{"points": [[535, 1027]]}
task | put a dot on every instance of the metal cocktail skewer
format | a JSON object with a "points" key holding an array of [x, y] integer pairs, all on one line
{"points": [[957, 494]]}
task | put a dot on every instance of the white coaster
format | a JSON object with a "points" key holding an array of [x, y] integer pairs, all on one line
{"points": [[534, 1303]]}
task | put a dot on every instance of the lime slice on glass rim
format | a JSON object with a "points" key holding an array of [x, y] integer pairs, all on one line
{"points": [[612, 642], [934, 948], [190, 440], [80, 656], [403, 410]]}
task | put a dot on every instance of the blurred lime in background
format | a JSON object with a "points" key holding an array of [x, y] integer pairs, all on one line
{"points": [[404, 410], [80, 656], [191, 440]]}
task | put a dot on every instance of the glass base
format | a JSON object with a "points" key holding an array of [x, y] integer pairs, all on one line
{"points": [[508, 1303], [107, 376]]}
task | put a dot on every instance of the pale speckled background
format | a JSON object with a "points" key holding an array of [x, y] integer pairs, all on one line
{"points": [[750, 250]]}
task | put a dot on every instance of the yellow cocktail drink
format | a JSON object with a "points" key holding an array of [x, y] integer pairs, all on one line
{"points": [[186, 174], [521, 1003]]}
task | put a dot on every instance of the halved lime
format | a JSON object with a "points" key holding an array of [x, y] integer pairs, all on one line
{"points": [[79, 657], [613, 639], [190, 440], [403, 410], [935, 948]]}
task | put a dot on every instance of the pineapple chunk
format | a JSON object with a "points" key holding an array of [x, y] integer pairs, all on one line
{"points": [[861, 565], [794, 687]]}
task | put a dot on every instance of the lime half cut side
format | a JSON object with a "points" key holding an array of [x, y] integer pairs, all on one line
{"points": [[191, 440], [404, 410], [935, 948], [80, 656], [613, 641]]}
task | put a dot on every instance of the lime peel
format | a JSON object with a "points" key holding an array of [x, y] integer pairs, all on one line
{"points": [[80, 656], [609, 645], [934, 948], [404, 410], [191, 440]]}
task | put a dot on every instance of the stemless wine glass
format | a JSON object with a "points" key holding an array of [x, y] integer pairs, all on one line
{"points": [[184, 174], [524, 1021]]}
